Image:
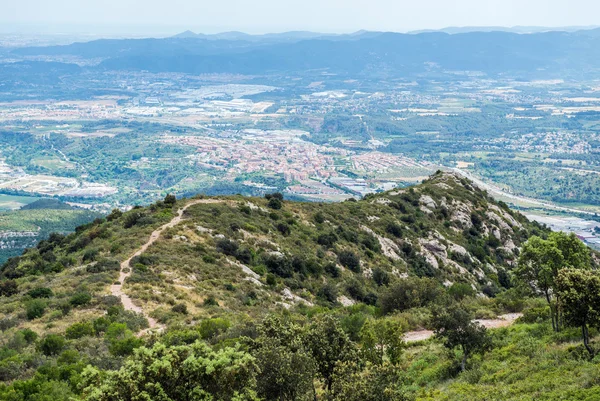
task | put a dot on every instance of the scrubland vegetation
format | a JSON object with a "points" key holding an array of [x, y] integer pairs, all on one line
{"points": [[266, 299]]}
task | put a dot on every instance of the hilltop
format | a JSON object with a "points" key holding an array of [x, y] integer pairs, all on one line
{"points": [[266, 299], [246, 256]]}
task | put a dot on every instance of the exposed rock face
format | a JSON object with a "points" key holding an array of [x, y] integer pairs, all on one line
{"points": [[459, 250], [288, 295], [506, 216], [428, 201], [383, 201], [345, 301], [425, 209], [461, 214], [434, 247], [252, 276], [388, 247], [498, 220]]}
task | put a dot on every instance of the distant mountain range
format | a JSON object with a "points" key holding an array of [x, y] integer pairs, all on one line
{"points": [[545, 53], [515, 29]]}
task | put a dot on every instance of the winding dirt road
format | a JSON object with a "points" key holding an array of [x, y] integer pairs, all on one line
{"points": [[117, 288], [501, 321]]}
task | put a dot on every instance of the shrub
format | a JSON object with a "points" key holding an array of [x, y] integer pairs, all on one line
{"points": [[244, 255], [227, 247], [395, 229], [328, 293], [40, 292], [90, 255], [275, 203], [332, 270], [211, 301], [29, 335], [284, 229], [356, 290], [349, 260], [101, 325], [104, 265], [35, 309], [114, 215], [180, 308], [459, 291], [80, 299], [79, 330], [210, 328], [132, 218], [279, 265], [411, 293], [8, 322], [327, 240], [8, 288], [381, 277], [535, 315], [52, 344], [271, 279], [170, 200], [121, 340], [274, 195]]}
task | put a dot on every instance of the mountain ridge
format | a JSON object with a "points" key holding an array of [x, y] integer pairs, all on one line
{"points": [[287, 254], [550, 53]]}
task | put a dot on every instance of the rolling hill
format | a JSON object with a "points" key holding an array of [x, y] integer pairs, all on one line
{"points": [[239, 298]]}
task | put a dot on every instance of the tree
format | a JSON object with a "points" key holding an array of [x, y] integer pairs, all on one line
{"points": [[183, 372], [328, 345], [579, 292], [170, 200], [455, 327], [275, 203], [287, 369], [541, 260], [538, 266], [381, 338], [575, 253]]}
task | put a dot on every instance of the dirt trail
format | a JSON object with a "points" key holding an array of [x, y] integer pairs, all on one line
{"points": [[117, 289], [501, 321]]}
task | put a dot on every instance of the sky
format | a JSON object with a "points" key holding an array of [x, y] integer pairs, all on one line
{"points": [[263, 16]]}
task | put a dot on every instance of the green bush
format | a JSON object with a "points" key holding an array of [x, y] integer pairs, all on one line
{"points": [[349, 260], [210, 328], [79, 330], [41, 292], [52, 344], [535, 315], [35, 309], [180, 308], [80, 299]]}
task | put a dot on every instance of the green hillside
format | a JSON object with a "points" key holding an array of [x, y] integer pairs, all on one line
{"points": [[24, 228], [261, 298]]}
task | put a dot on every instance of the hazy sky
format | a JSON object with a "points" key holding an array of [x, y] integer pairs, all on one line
{"points": [[260, 16]]}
